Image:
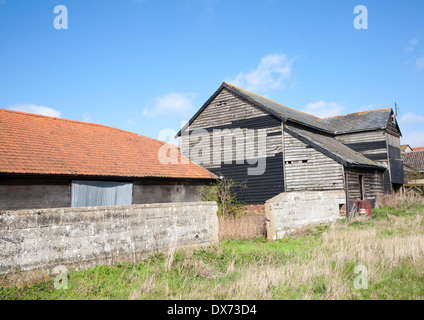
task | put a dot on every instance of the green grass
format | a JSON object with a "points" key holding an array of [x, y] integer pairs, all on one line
{"points": [[306, 265]]}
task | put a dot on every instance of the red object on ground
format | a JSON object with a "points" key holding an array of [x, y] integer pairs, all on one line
{"points": [[365, 207]]}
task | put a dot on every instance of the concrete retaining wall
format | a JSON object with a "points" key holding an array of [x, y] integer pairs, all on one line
{"points": [[291, 210], [34, 242]]}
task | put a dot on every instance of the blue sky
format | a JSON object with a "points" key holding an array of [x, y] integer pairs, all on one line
{"points": [[147, 65]]}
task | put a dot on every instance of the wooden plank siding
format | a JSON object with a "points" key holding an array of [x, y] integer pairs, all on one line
{"points": [[42, 192], [309, 169], [166, 191], [380, 146], [372, 144], [372, 185], [27, 193], [395, 160], [235, 117]]}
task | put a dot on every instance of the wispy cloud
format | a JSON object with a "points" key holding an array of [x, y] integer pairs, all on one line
{"points": [[411, 119], [170, 105], [420, 63], [412, 44], [367, 107], [411, 125], [131, 122], [32, 108], [324, 109], [414, 139], [270, 74], [86, 117]]}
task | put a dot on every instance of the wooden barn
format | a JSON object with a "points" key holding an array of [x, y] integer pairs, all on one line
{"points": [[49, 162], [276, 149]]}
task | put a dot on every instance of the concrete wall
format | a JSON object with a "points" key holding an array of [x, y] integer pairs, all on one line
{"points": [[289, 211], [34, 242]]}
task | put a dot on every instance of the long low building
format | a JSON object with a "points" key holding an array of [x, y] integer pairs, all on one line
{"points": [[48, 162]]}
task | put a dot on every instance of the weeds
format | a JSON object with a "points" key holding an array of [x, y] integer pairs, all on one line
{"points": [[313, 263]]}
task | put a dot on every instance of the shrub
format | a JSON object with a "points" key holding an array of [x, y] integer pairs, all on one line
{"points": [[224, 194]]}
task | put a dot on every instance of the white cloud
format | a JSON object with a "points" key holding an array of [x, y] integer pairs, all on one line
{"points": [[414, 139], [131, 122], [410, 119], [420, 63], [269, 74], [411, 45], [367, 107], [171, 104], [323, 109], [32, 108], [86, 117]]}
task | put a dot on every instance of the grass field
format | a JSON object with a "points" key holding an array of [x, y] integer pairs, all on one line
{"points": [[365, 258]]}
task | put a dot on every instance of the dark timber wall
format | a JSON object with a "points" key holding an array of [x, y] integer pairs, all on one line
{"points": [[152, 191], [18, 193], [380, 146], [27, 193], [231, 112], [372, 185]]}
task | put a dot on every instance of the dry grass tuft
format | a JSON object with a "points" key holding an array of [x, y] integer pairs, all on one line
{"points": [[330, 266], [398, 200], [242, 227]]}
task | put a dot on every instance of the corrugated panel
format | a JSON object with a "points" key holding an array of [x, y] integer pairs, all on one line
{"points": [[101, 193]]}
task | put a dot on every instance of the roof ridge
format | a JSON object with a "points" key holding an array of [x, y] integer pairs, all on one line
{"points": [[349, 114], [74, 121], [271, 100]]}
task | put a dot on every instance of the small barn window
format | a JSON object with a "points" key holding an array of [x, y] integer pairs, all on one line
{"points": [[297, 161], [101, 193], [393, 119]]}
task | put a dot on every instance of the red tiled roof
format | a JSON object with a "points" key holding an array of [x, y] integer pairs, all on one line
{"points": [[417, 149], [35, 144]]}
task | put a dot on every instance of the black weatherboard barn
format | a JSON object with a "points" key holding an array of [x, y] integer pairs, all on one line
{"points": [[358, 153]]}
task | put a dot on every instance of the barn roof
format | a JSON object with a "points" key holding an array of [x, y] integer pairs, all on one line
{"points": [[359, 121], [281, 110], [35, 144], [414, 160], [333, 148], [354, 122], [278, 110]]}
